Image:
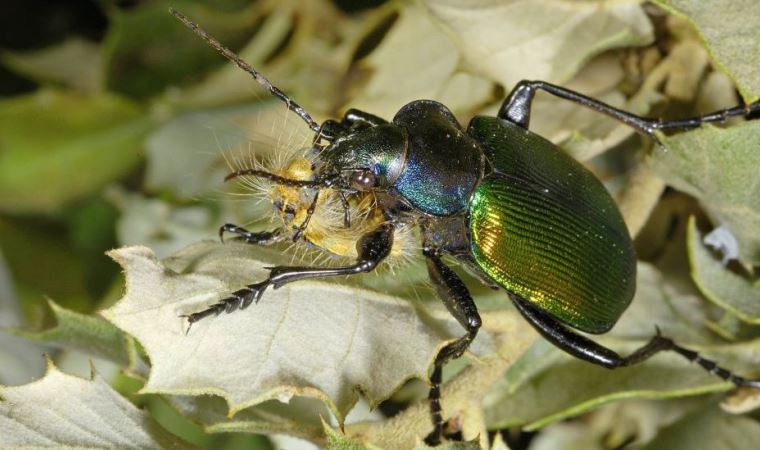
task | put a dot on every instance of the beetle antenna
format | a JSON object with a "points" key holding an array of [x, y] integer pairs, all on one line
{"points": [[275, 178], [261, 79]]}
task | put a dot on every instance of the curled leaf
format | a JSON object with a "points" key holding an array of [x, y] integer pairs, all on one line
{"points": [[726, 289], [62, 410]]}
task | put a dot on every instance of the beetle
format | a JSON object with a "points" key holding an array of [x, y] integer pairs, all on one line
{"points": [[503, 201]]}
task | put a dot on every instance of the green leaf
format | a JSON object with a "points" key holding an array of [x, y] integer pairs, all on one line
{"points": [[731, 35], [338, 441], [146, 49], [709, 429], [572, 387], [300, 416], [54, 271], [89, 334], [74, 63], [62, 410], [315, 339], [726, 289], [548, 40], [56, 147], [719, 168]]}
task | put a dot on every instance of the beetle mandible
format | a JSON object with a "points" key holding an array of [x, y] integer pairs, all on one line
{"points": [[505, 202]]}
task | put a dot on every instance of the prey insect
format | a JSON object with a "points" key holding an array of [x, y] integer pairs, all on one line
{"points": [[501, 200]]}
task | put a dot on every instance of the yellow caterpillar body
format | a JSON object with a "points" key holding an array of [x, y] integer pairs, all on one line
{"points": [[326, 230]]}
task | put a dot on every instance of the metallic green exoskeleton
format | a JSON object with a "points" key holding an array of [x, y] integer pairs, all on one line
{"points": [[545, 228], [501, 200]]}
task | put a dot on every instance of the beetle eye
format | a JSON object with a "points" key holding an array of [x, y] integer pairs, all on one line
{"points": [[363, 180]]}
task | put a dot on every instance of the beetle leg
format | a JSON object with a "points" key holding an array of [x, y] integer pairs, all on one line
{"points": [[588, 350], [373, 247], [260, 238], [516, 108], [458, 301]]}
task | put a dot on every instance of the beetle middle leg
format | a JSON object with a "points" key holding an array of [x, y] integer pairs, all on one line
{"points": [[458, 301], [372, 248], [516, 109], [588, 350]]}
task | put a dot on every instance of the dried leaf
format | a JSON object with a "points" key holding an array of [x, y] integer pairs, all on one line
{"points": [[731, 35], [315, 339], [719, 167], [509, 41], [62, 410], [726, 289], [710, 429], [417, 60]]}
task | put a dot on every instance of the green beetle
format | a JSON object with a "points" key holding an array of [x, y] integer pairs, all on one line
{"points": [[503, 201]]}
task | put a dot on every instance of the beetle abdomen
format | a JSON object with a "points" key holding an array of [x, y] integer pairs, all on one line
{"points": [[546, 229]]}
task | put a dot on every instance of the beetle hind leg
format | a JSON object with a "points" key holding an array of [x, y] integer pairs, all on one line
{"points": [[584, 348], [458, 301], [660, 343], [516, 109]]}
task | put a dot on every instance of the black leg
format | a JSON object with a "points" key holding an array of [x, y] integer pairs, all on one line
{"points": [[260, 238], [588, 350], [516, 108], [458, 301], [373, 247]]}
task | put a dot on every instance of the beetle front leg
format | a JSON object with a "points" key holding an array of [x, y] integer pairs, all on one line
{"points": [[372, 248], [588, 350], [516, 109], [458, 301], [260, 238]]}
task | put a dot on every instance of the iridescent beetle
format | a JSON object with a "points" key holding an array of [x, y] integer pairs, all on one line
{"points": [[503, 201]]}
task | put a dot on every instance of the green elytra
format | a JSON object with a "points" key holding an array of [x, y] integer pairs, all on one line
{"points": [[545, 228]]}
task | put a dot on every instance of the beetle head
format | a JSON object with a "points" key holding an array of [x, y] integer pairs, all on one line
{"points": [[369, 159]]}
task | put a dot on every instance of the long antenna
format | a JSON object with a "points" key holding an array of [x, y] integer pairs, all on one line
{"points": [[261, 79]]}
